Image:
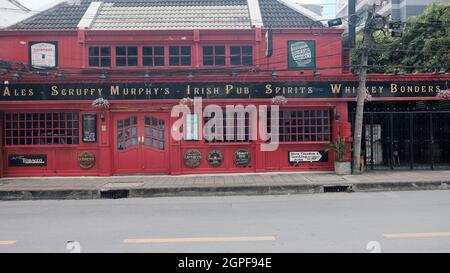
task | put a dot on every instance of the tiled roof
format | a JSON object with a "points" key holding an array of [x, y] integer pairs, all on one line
{"points": [[167, 14], [172, 14], [277, 15], [61, 17]]}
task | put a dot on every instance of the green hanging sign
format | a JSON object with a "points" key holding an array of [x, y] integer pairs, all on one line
{"points": [[302, 54]]}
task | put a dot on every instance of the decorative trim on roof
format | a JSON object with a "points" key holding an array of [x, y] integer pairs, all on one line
{"points": [[255, 13], [90, 15]]}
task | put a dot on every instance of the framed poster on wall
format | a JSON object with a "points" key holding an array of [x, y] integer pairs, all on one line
{"points": [[89, 127], [302, 54], [191, 129], [43, 54]]}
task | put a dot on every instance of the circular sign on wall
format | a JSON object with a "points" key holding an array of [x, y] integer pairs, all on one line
{"points": [[215, 158], [192, 158], [86, 160], [241, 158]]}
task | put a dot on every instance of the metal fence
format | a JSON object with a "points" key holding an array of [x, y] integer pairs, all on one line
{"points": [[415, 139]]}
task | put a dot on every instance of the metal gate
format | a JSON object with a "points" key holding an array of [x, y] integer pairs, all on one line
{"points": [[406, 137]]}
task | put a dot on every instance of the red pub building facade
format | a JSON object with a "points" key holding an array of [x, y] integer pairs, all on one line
{"points": [[88, 88]]}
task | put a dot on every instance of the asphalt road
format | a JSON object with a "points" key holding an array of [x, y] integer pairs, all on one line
{"points": [[335, 222]]}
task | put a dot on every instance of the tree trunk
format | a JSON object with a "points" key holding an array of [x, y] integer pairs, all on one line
{"points": [[361, 94]]}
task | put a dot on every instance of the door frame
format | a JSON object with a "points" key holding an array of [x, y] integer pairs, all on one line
{"points": [[117, 115]]}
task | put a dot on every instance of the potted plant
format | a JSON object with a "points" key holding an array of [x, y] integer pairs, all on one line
{"points": [[279, 100], [187, 101], [444, 94], [101, 103], [340, 147]]}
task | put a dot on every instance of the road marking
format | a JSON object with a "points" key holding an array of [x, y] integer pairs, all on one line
{"points": [[417, 235], [198, 239], [7, 242]]}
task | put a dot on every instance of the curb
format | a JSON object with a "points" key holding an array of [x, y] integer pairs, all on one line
{"points": [[89, 194]]}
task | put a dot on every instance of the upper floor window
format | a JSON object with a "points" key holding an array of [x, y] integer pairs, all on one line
{"points": [[100, 56], [241, 55], [126, 56], [180, 55], [153, 56], [213, 55]]}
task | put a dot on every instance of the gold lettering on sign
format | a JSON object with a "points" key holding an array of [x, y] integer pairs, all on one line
{"points": [[414, 88], [201, 90], [228, 88], [289, 90], [6, 92], [54, 90], [115, 90], [335, 88], [269, 89], [394, 88]]}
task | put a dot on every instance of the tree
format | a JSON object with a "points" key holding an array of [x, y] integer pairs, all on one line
{"points": [[424, 46]]}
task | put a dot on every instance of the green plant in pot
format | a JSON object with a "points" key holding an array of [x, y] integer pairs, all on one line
{"points": [[340, 147]]}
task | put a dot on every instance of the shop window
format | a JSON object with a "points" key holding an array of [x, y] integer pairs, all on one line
{"points": [[180, 55], [41, 128], [241, 55], [234, 128], [100, 56], [126, 56], [153, 56], [155, 133], [304, 126], [214, 55]]}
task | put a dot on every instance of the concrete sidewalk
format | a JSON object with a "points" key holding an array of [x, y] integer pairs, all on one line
{"points": [[224, 184]]}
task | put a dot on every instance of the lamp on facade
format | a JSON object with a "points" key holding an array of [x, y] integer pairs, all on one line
{"points": [[335, 22], [147, 76], [274, 74], [190, 76], [103, 76], [399, 72], [60, 75], [17, 76], [316, 73], [337, 114], [440, 71], [234, 74], [103, 116]]}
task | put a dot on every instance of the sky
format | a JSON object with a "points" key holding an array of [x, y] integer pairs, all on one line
{"points": [[328, 5], [39, 4]]}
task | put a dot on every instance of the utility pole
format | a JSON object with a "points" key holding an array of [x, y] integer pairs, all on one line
{"points": [[361, 93]]}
